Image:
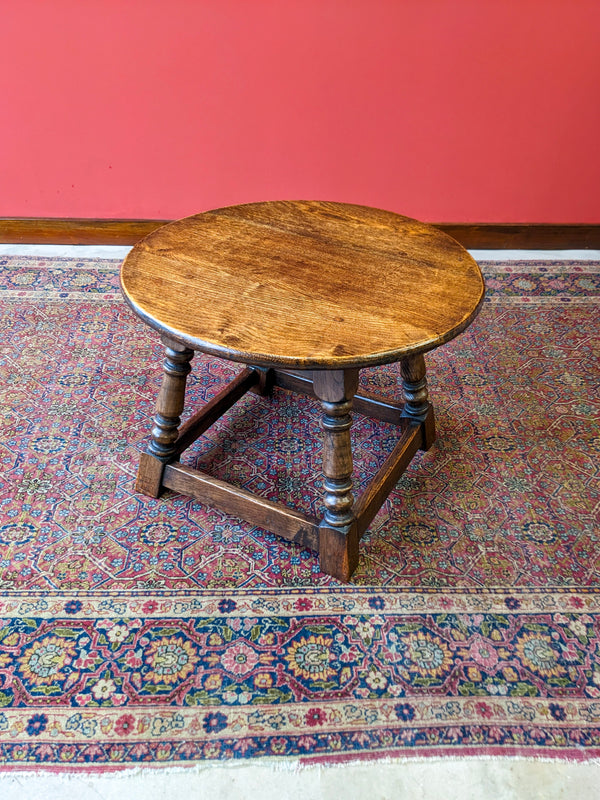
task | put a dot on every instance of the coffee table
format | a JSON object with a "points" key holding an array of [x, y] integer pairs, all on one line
{"points": [[306, 294]]}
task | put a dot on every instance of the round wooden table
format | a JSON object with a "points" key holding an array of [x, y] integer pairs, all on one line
{"points": [[306, 293]]}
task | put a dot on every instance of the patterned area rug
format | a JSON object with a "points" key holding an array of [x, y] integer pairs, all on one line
{"points": [[138, 630]]}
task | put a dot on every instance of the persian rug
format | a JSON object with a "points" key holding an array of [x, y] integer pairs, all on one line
{"points": [[135, 630]]}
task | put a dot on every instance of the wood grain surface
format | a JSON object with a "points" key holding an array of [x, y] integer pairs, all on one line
{"points": [[303, 284]]}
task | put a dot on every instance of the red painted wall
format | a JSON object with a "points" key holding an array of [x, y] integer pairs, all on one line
{"points": [[448, 110]]}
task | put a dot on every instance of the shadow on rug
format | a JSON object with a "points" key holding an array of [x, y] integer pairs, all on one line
{"points": [[139, 630]]}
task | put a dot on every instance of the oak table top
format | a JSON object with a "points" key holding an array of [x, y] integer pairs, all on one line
{"points": [[303, 285]]}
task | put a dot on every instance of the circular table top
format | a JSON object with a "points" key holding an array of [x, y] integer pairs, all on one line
{"points": [[303, 284]]}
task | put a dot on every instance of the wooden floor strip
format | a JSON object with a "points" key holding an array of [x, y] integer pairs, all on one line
{"points": [[482, 236]]}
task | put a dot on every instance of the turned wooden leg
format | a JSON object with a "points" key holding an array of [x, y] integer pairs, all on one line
{"points": [[169, 406], [338, 532], [416, 397]]}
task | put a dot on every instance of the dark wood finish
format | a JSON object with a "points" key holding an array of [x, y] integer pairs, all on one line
{"points": [[299, 382], [149, 475], [266, 381], [169, 405], [335, 389], [369, 503], [215, 408], [481, 236], [50, 230], [338, 532], [303, 284], [291, 525], [416, 396], [365, 403], [523, 236], [370, 405], [324, 288]]}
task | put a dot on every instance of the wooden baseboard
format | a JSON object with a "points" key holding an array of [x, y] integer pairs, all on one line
{"points": [[482, 236], [50, 230], [521, 236]]}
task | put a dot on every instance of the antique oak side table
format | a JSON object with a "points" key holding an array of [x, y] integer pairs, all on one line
{"points": [[305, 294]]}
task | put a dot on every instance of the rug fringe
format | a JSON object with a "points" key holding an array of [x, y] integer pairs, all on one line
{"points": [[278, 765]]}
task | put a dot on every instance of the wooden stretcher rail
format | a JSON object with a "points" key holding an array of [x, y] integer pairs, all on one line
{"points": [[215, 408], [363, 402], [291, 525], [369, 503]]}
